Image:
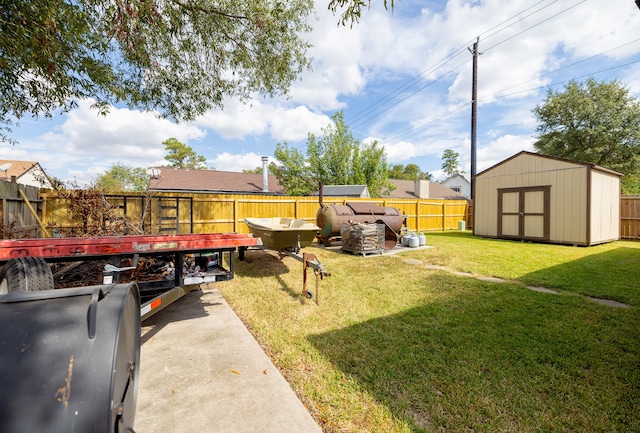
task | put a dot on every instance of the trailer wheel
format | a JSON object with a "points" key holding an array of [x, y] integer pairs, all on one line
{"points": [[26, 274]]}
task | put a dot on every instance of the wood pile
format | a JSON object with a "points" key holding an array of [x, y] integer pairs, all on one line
{"points": [[90, 273], [361, 238]]}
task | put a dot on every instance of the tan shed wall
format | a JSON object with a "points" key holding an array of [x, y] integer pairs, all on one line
{"points": [[605, 209], [568, 195]]}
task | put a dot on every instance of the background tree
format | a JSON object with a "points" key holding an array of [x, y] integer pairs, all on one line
{"points": [[450, 164], [370, 168], [408, 172], [293, 172], [179, 57], [121, 177], [595, 122], [182, 156], [335, 158]]}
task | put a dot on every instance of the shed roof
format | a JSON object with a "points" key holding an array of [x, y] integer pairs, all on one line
{"points": [[406, 189], [177, 179], [524, 152], [345, 191]]}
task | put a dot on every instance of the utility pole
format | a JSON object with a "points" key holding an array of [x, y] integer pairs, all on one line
{"points": [[474, 111]]}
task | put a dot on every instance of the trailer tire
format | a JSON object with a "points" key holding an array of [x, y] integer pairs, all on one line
{"points": [[29, 274]]}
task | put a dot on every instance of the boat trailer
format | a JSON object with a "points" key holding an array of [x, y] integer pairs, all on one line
{"points": [[308, 260]]}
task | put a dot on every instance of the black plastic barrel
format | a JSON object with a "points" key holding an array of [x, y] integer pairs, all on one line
{"points": [[69, 359]]}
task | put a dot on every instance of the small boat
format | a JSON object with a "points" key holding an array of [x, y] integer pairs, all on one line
{"points": [[283, 233]]}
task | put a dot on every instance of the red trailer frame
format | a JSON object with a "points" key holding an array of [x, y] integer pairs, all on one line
{"points": [[156, 294]]}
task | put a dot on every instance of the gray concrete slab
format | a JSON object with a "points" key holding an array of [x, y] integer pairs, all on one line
{"points": [[202, 371]]}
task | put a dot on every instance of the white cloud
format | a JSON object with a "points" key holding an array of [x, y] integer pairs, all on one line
{"points": [[257, 118], [400, 152], [498, 150], [237, 119], [226, 161], [86, 144], [122, 133], [297, 123]]}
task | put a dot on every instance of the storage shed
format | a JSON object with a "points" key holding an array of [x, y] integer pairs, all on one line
{"points": [[546, 199]]}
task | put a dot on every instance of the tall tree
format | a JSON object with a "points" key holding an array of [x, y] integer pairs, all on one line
{"points": [[595, 122], [334, 158], [450, 164], [182, 156], [178, 57], [121, 177]]}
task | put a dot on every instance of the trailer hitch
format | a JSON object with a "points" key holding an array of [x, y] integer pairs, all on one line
{"points": [[309, 260]]}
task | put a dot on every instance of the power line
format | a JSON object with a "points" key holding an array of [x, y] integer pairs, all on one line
{"points": [[366, 115], [536, 25], [494, 98], [416, 127], [560, 69], [407, 85], [354, 124], [464, 106], [458, 109], [482, 35]]}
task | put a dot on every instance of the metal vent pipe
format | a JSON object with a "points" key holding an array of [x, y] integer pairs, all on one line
{"points": [[265, 174]]}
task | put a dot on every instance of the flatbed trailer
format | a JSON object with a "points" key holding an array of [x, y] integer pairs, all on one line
{"points": [[71, 356], [156, 294]]}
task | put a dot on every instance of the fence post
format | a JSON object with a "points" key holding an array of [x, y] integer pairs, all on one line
{"points": [[235, 214], [444, 216]]}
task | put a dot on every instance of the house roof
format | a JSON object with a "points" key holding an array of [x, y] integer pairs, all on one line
{"points": [[455, 176], [176, 179], [406, 189], [524, 152], [21, 168], [17, 168]]}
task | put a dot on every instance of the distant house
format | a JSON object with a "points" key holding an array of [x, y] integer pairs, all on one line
{"points": [[360, 191], [212, 181], [458, 183], [25, 172], [422, 189]]}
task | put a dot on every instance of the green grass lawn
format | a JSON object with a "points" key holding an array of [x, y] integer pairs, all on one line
{"points": [[396, 347]]}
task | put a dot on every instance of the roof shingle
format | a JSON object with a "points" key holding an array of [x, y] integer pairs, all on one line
{"points": [[176, 179]]}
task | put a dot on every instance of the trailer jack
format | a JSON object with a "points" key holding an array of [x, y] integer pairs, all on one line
{"points": [[309, 260]]}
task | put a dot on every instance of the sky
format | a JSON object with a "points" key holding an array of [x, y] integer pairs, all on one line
{"points": [[402, 77]]}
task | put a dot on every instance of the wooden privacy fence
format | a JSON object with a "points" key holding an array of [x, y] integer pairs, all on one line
{"points": [[168, 213], [19, 210], [630, 218]]}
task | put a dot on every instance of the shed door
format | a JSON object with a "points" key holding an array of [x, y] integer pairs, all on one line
{"points": [[523, 213]]}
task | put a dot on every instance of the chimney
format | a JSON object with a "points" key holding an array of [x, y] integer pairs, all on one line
{"points": [[265, 174], [421, 188]]}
